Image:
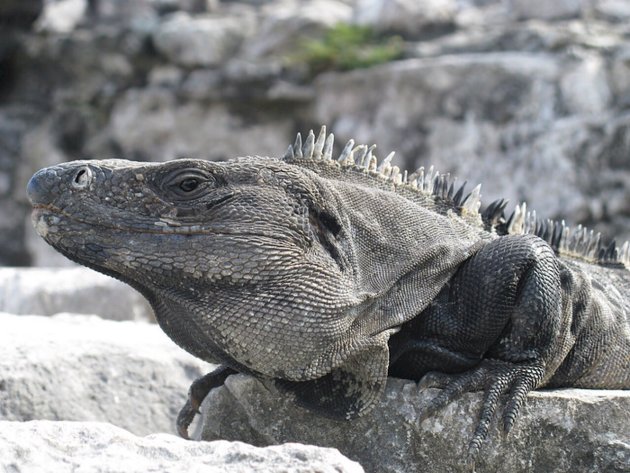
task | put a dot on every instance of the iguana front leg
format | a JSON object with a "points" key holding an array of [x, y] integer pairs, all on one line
{"points": [[198, 391], [496, 328]]}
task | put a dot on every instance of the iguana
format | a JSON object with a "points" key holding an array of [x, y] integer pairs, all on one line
{"points": [[327, 275]]}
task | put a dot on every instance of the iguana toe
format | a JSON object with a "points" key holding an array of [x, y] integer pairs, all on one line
{"points": [[184, 419], [455, 386], [495, 378], [197, 392]]}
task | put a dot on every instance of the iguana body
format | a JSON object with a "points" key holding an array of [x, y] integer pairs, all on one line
{"points": [[327, 275]]}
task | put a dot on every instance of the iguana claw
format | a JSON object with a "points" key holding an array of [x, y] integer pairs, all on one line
{"points": [[495, 378], [198, 391], [184, 419]]}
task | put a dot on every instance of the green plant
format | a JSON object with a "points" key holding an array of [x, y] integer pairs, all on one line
{"points": [[345, 47]]}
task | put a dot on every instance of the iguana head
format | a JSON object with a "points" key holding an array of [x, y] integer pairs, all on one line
{"points": [[271, 266]]}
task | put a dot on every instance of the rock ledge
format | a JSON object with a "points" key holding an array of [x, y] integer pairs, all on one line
{"points": [[102, 448], [557, 431]]}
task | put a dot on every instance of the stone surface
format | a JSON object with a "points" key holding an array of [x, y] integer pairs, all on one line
{"points": [[200, 41], [557, 431], [286, 23], [48, 291], [73, 367], [61, 16], [20, 13], [526, 9], [614, 10], [412, 18], [43, 446], [153, 124], [585, 87]]}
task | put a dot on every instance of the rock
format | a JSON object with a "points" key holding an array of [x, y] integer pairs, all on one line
{"points": [[500, 119], [48, 291], [200, 40], [620, 76], [284, 24], [82, 368], [13, 252], [20, 13], [494, 88], [412, 18], [556, 431], [14, 123], [61, 16], [612, 10], [542, 9], [584, 86], [102, 448], [127, 13], [152, 124]]}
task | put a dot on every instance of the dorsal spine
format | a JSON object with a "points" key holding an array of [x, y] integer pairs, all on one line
{"points": [[577, 242]]}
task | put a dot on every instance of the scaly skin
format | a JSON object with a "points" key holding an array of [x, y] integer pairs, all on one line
{"points": [[327, 277]]}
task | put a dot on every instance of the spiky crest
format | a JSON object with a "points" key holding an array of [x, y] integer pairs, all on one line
{"points": [[578, 242], [360, 160]]}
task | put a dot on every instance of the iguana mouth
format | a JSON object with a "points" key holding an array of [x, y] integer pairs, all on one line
{"points": [[152, 226]]}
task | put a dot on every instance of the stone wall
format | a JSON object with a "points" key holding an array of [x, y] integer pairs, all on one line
{"points": [[530, 98]]}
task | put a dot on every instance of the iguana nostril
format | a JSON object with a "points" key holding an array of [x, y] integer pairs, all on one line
{"points": [[82, 178]]}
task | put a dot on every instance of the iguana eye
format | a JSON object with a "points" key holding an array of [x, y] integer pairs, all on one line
{"points": [[189, 184]]}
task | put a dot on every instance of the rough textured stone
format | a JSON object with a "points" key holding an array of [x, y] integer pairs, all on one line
{"points": [[525, 9], [614, 10], [72, 367], [20, 13], [200, 41], [153, 124], [585, 87], [557, 431], [412, 18], [102, 448], [284, 24], [38, 291], [129, 12], [61, 16]]}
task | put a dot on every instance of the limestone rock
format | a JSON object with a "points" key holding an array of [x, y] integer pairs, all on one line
{"points": [[613, 10], [500, 119], [620, 75], [200, 40], [152, 123], [67, 447], [411, 18], [20, 13], [72, 367], [125, 13], [526, 9], [557, 431], [48, 291], [284, 24], [61, 16], [585, 86]]}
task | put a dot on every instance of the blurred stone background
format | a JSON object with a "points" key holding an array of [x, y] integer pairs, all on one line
{"points": [[529, 97]]}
